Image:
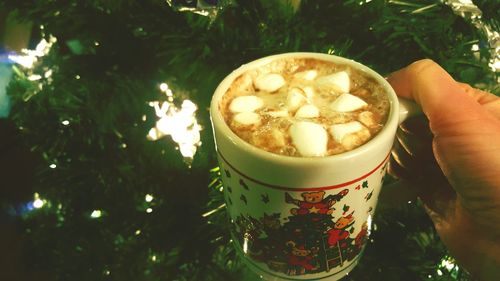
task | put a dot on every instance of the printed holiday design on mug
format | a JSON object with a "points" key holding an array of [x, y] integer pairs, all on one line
{"points": [[301, 232], [311, 240]]}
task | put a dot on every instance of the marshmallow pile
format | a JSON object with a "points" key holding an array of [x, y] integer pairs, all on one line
{"points": [[304, 101]]}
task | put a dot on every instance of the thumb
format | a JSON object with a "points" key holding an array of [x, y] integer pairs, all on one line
{"points": [[445, 102], [466, 136]]}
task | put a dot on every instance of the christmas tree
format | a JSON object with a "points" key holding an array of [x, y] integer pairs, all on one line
{"points": [[110, 105]]}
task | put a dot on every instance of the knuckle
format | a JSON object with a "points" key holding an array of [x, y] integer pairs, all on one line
{"points": [[423, 66]]}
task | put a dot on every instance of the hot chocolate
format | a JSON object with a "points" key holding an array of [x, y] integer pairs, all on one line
{"points": [[305, 107]]}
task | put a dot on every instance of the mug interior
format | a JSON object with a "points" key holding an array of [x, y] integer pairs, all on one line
{"points": [[385, 132]]}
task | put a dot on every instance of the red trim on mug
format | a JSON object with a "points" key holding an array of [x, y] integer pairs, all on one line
{"points": [[306, 188]]}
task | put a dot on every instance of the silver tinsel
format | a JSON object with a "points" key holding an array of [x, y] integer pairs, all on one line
{"points": [[470, 12], [208, 8]]}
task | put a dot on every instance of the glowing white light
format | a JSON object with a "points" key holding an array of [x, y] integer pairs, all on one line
{"points": [[409, 202], [245, 245], [439, 272], [77, 77], [148, 198], [448, 263], [137, 232], [96, 214], [25, 61], [153, 134], [65, 122], [29, 57], [369, 223], [107, 272], [48, 73], [52, 166], [179, 123], [38, 203], [153, 258], [160, 110], [475, 47], [494, 64], [149, 210], [34, 77], [163, 87]]}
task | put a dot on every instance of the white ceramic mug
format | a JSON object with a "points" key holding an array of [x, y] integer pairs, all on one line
{"points": [[302, 218]]}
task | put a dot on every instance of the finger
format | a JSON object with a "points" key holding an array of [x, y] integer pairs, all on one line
{"points": [[457, 229], [415, 137], [487, 100], [466, 135], [442, 99]]}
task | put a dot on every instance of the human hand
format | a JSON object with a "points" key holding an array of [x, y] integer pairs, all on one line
{"points": [[465, 124]]}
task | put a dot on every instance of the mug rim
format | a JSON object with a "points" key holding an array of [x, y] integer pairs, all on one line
{"points": [[218, 120]]}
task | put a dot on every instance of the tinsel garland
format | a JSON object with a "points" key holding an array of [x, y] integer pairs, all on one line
{"points": [[109, 204]]}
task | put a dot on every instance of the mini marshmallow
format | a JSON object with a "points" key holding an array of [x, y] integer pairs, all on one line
{"points": [[339, 79], [246, 104], [309, 91], [269, 82], [279, 113], [307, 111], [247, 118], [347, 102], [295, 98], [309, 138], [269, 138], [278, 138], [307, 75], [244, 83], [354, 140], [367, 118], [339, 131]]}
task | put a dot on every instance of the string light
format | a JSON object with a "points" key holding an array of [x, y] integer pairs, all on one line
{"points": [[179, 123], [448, 263], [96, 214], [34, 77], [246, 239], [148, 198], [37, 201], [28, 58], [369, 223]]}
